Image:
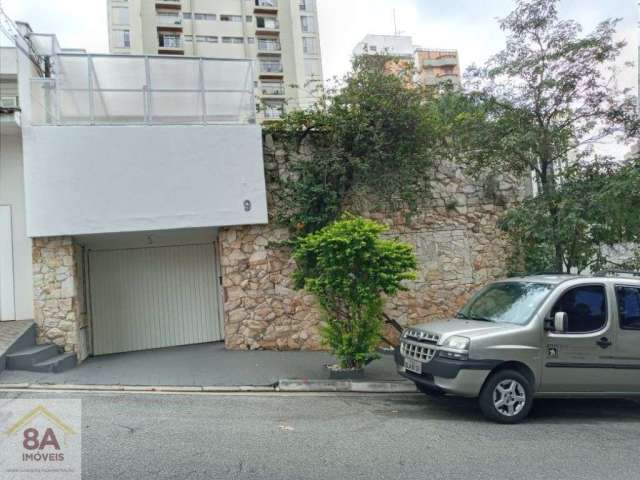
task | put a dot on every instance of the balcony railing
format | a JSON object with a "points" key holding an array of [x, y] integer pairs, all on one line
{"points": [[169, 41], [273, 90], [273, 113], [269, 46], [267, 23], [267, 3], [270, 67], [130, 90], [169, 20]]}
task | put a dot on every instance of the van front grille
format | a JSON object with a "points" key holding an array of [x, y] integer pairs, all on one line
{"points": [[421, 353]]}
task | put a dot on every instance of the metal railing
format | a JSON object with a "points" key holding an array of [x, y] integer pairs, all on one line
{"points": [[269, 46], [272, 90], [270, 67], [267, 3], [169, 41], [93, 89], [169, 19]]}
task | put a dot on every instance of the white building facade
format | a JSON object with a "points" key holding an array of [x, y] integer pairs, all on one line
{"points": [[281, 36]]}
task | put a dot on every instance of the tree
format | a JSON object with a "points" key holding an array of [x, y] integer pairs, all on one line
{"points": [[541, 104], [597, 205], [349, 267], [373, 135]]}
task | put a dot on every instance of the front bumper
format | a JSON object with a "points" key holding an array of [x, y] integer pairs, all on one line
{"points": [[459, 377]]}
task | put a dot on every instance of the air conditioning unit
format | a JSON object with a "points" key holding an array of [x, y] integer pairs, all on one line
{"points": [[9, 102]]}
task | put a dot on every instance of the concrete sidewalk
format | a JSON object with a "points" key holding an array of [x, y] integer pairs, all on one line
{"points": [[209, 365]]}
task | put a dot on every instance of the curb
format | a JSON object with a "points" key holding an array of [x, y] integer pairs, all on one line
{"points": [[393, 386], [285, 385]]}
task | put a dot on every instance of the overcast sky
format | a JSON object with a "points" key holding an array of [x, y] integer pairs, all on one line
{"points": [[467, 25]]}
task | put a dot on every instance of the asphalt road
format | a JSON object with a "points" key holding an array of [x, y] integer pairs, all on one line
{"points": [[278, 436]]}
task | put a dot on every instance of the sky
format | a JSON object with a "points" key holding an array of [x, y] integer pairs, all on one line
{"points": [[470, 26]]}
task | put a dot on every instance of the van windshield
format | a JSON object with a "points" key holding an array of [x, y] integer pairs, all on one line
{"points": [[506, 302]]}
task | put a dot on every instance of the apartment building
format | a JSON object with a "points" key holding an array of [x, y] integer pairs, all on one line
{"points": [[431, 66], [281, 36]]}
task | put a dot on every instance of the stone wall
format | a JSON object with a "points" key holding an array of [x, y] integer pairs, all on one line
{"points": [[457, 240], [59, 310]]}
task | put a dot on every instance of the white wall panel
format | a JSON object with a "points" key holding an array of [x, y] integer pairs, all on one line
{"points": [[107, 179]]}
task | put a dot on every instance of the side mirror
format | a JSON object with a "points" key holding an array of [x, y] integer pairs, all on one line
{"points": [[561, 322]]}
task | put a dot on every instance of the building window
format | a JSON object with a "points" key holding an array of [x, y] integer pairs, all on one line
{"points": [[373, 48], [230, 18], [307, 5], [206, 39], [120, 15], [312, 68], [251, 40], [186, 15], [121, 39], [306, 22], [232, 40], [204, 16], [249, 18], [310, 45]]}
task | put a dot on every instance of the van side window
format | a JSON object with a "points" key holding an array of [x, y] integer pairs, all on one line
{"points": [[586, 307], [629, 307]]}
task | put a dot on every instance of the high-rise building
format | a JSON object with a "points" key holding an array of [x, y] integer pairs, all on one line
{"points": [[430, 65], [280, 35]]}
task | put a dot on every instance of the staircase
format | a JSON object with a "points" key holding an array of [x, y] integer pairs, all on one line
{"points": [[25, 354]]}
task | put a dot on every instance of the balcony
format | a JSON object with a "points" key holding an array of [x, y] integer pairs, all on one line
{"points": [[176, 4], [165, 19], [273, 112], [269, 46], [444, 61], [272, 90], [267, 26], [266, 6], [271, 69], [170, 43]]}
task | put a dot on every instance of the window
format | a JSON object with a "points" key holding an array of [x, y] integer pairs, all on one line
{"points": [[121, 39], [629, 307], [306, 23], [186, 15], [310, 45], [249, 18], [373, 48], [230, 18], [306, 5], [232, 40], [120, 15], [251, 40], [204, 16], [312, 68], [206, 39], [586, 307]]}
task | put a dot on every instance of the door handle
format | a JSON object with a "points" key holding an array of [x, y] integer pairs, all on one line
{"points": [[604, 342]]}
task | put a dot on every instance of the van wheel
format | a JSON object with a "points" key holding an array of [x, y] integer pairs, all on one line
{"points": [[429, 391], [506, 397]]}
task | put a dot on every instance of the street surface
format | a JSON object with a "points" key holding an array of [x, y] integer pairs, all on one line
{"points": [[328, 436]]}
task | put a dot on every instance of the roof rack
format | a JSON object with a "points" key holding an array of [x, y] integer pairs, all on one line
{"points": [[605, 273]]}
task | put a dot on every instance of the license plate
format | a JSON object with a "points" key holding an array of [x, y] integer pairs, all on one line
{"points": [[413, 365]]}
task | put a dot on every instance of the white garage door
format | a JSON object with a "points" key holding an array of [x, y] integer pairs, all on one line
{"points": [[144, 298]]}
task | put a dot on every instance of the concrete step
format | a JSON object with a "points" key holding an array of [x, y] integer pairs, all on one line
{"points": [[59, 363], [26, 358]]}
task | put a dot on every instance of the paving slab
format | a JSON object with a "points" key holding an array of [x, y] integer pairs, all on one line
{"points": [[201, 365]]}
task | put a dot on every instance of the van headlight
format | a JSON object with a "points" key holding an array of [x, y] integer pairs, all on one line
{"points": [[455, 347], [457, 342]]}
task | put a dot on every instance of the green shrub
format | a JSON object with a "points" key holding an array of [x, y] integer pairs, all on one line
{"points": [[349, 267]]}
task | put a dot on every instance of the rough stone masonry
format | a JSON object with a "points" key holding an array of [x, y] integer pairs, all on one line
{"points": [[458, 243]]}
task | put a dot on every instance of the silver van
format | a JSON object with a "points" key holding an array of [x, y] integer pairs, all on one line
{"points": [[533, 336]]}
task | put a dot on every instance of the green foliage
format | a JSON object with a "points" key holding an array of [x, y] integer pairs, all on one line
{"points": [[374, 135], [349, 267], [596, 205], [540, 106]]}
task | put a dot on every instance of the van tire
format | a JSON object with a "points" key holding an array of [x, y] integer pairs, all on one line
{"points": [[506, 397]]}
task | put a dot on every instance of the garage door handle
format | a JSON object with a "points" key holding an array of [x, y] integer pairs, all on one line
{"points": [[604, 342]]}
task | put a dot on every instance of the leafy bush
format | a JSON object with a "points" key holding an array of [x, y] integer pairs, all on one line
{"points": [[349, 267]]}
